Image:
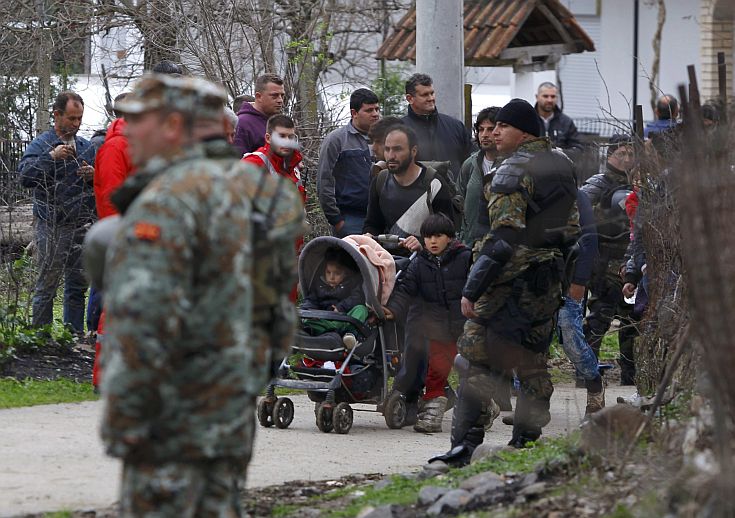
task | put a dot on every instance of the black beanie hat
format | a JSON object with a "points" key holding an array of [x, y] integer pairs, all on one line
{"points": [[521, 115]]}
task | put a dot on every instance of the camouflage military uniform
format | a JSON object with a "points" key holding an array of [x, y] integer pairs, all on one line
{"points": [[183, 365], [606, 299], [515, 314]]}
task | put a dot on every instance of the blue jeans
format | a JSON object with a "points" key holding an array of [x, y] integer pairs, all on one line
{"points": [[94, 309], [353, 225], [575, 346], [59, 253]]}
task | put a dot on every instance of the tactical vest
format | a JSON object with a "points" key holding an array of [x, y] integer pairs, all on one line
{"points": [[555, 192], [611, 220]]}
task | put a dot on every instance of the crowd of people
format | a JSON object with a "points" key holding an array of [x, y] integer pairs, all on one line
{"points": [[198, 294]]}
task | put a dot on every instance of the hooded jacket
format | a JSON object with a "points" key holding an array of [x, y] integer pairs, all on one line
{"points": [[278, 164], [437, 281], [250, 131], [345, 296], [111, 167]]}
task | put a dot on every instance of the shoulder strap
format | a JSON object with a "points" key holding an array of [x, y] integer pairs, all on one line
{"points": [[381, 180], [266, 161]]}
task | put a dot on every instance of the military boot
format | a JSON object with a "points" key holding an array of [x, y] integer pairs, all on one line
{"points": [[595, 396], [432, 413], [490, 414], [595, 402]]}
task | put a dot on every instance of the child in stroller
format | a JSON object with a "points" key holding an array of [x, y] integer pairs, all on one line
{"points": [[338, 289]]}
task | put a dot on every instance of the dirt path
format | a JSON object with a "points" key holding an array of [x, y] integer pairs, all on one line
{"points": [[51, 458]]}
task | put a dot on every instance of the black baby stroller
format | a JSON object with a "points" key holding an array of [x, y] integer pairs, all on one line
{"points": [[333, 376]]}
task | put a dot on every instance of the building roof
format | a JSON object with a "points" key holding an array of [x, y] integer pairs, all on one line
{"points": [[501, 32]]}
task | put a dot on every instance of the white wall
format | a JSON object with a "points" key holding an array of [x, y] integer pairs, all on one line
{"points": [[679, 48]]}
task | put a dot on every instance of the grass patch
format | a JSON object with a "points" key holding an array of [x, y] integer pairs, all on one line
{"points": [[14, 393], [560, 376], [58, 514], [610, 349], [404, 491]]}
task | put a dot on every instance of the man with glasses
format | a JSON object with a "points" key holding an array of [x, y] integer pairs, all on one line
{"points": [[59, 169], [605, 192]]}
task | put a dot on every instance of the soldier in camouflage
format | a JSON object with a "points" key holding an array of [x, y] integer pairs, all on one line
{"points": [[182, 364], [515, 285], [607, 193]]}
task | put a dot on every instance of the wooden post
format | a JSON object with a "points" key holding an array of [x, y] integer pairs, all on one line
{"points": [[468, 106], [722, 77], [638, 117]]}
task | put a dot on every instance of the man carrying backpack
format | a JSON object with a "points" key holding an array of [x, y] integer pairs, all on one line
{"points": [[401, 198], [407, 192]]}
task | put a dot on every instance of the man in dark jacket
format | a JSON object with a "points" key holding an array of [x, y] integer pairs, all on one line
{"points": [[343, 179], [253, 118], [56, 167], [441, 138], [557, 126]]}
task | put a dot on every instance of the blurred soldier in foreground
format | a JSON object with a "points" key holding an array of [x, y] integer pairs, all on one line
{"points": [[182, 367], [515, 285]]}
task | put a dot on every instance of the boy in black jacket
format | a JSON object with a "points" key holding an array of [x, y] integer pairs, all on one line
{"points": [[436, 276], [338, 289]]}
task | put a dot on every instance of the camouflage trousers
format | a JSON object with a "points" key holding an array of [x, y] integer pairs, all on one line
{"points": [[181, 489], [496, 347]]}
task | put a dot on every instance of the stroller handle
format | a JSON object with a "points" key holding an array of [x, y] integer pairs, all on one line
{"points": [[389, 239]]}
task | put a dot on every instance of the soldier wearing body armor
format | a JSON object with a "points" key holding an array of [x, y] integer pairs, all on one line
{"points": [[607, 193], [515, 285], [187, 347]]}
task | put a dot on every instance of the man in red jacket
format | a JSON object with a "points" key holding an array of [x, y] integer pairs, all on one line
{"points": [[281, 156], [111, 168], [280, 153]]}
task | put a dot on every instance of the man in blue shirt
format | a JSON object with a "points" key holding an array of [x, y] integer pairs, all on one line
{"points": [[58, 166]]}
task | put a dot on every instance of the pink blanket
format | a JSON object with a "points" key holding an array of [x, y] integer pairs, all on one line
{"points": [[381, 258]]}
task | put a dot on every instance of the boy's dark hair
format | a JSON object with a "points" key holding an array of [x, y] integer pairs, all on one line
{"points": [[340, 257], [362, 96], [279, 120], [437, 224], [380, 129], [416, 80], [413, 139]]}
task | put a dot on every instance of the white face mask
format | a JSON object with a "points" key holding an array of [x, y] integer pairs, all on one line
{"points": [[278, 141]]}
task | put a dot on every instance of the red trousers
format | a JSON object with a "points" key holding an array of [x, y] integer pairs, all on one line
{"points": [[97, 351], [441, 360]]}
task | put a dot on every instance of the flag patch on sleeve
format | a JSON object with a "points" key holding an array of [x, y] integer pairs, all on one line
{"points": [[147, 231]]}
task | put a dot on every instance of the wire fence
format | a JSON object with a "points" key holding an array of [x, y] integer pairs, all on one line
{"points": [[11, 192]]}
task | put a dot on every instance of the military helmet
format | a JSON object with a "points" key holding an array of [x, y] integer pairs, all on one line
{"points": [[190, 95]]}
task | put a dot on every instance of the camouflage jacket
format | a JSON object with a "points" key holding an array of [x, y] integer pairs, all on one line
{"points": [[181, 369], [510, 210]]}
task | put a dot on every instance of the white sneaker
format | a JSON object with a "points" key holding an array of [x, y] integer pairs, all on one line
{"points": [[349, 340]]}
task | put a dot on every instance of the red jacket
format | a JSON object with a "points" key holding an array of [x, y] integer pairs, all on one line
{"points": [[111, 167], [278, 164]]}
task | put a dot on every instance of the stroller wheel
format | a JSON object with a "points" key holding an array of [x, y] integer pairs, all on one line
{"points": [[342, 418], [395, 410], [265, 412], [282, 412], [324, 417]]}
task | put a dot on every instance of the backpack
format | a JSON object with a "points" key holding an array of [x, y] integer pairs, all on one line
{"points": [[435, 169]]}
